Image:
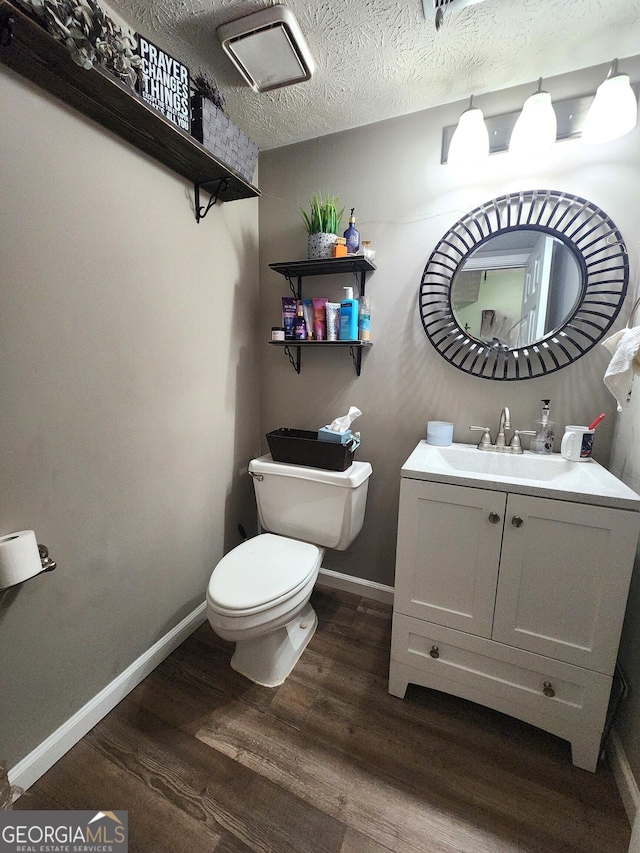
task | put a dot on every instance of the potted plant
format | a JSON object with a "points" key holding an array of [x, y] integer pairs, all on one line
{"points": [[322, 224]]}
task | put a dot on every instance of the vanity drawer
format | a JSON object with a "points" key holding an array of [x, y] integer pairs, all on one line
{"points": [[477, 669]]}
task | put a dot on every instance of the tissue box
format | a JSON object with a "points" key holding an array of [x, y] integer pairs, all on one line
{"points": [[325, 434]]}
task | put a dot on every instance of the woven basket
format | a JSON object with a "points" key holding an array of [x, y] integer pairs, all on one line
{"points": [[222, 137]]}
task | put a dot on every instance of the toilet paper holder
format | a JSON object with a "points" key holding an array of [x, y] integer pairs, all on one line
{"points": [[48, 565]]}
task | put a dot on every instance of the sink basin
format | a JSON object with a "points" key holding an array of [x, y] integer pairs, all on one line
{"points": [[528, 473], [528, 466]]}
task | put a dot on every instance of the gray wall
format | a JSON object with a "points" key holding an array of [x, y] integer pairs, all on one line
{"points": [[405, 201], [129, 350], [129, 402], [625, 463]]}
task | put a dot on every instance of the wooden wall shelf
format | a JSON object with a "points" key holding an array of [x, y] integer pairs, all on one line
{"points": [[31, 51]]}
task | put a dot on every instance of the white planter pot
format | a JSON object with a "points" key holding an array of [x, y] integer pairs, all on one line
{"points": [[320, 246]]}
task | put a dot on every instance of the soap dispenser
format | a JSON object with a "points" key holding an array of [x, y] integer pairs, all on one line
{"points": [[542, 442], [348, 317]]}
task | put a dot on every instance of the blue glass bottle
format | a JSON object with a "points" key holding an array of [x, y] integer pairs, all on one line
{"points": [[352, 236]]}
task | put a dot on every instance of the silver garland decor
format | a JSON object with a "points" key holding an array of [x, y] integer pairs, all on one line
{"points": [[90, 36]]}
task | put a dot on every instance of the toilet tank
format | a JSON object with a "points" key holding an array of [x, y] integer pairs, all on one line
{"points": [[324, 508]]}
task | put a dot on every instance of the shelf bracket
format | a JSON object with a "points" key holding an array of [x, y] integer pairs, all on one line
{"points": [[6, 32], [356, 356], [361, 278], [295, 362], [221, 185], [296, 293]]}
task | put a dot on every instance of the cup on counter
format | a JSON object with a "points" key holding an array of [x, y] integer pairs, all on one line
{"points": [[439, 433], [577, 443]]}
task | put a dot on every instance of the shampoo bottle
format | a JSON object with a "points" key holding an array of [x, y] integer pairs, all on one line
{"points": [[542, 442], [352, 236], [348, 317]]}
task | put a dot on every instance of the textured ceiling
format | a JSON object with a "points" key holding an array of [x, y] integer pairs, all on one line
{"points": [[380, 58]]}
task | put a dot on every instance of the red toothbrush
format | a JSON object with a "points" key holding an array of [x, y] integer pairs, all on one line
{"points": [[595, 423]]}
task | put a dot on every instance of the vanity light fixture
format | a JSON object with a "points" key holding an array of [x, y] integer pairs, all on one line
{"points": [[469, 145], [614, 111], [268, 49], [571, 116], [536, 128]]}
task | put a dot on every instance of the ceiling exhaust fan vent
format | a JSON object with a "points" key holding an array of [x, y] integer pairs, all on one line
{"points": [[434, 9], [268, 49]]}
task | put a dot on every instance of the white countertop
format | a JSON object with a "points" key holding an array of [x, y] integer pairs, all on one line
{"points": [[547, 475]]}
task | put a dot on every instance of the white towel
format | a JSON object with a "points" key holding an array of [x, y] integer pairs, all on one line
{"points": [[625, 362]]}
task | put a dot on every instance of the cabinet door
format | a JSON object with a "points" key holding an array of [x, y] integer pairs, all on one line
{"points": [[448, 552], [564, 578]]}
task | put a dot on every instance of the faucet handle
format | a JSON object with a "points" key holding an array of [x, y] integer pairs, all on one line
{"points": [[485, 441], [516, 444]]}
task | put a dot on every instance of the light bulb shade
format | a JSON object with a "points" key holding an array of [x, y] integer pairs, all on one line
{"points": [[469, 144], [536, 128], [613, 113]]}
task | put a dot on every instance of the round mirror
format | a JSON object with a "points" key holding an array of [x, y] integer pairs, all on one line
{"points": [[524, 285], [516, 288]]}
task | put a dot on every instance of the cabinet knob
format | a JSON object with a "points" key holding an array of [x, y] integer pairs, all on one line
{"points": [[517, 521], [494, 518], [435, 652], [548, 690]]}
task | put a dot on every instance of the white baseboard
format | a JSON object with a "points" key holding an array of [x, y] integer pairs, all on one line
{"points": [[625, 780], [359, 586], [44, 756]]}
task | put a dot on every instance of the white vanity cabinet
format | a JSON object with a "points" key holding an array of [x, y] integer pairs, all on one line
{"points": [[515, 601]]}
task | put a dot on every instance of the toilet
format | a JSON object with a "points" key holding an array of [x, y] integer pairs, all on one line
{"points": [[258, 595]]}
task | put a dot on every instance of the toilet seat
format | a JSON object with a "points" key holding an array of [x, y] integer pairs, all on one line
{"points": [[260, 574]]}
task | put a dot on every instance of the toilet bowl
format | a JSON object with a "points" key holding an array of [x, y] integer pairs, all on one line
{"points": [[258, 595]]}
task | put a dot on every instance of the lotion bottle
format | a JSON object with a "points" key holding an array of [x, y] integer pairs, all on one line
{"points": [[542, 442], [364, 319], [348, 317]]}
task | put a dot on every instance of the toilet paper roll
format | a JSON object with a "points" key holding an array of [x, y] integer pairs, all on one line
{"points": [[19, 558]]}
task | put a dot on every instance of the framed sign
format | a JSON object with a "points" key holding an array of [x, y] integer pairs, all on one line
{"points": [[165, 84]]}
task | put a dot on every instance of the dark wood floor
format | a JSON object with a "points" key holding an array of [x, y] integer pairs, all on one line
{"points": [[204, 760]]}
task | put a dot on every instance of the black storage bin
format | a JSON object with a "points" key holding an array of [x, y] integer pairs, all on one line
{"points": [[302, 447]]}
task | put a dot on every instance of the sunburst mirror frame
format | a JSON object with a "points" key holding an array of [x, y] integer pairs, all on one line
{"points": [[598, 248]]}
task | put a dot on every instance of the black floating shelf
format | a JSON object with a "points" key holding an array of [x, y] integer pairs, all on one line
{"points": [[322, 343], [328, 266], [355, 348], [32, 52], [356, 264]]}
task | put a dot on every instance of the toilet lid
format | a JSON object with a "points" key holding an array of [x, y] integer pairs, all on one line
{"points": [[260, 571]]}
